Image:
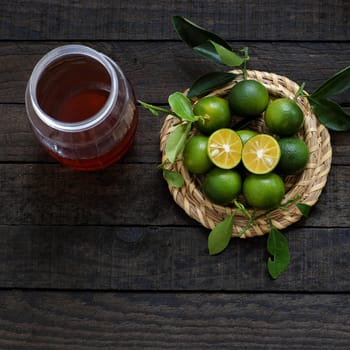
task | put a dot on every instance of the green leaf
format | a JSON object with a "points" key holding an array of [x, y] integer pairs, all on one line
{"points": [[154, 109], [304, 209], [181, 106], [220, 236], [277, 246], [227, 56], [208, 50], [173, 178], [194, 35], [327, 111], [330, 114], [334, 86], [219, 53], [176, 141], [209, 82], [206, 43]]}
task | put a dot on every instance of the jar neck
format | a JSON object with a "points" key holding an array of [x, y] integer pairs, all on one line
{"points": [[61, 53]]}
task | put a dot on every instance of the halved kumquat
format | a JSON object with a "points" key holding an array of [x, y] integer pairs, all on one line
{"points": [[261, 154], [225, 148]]}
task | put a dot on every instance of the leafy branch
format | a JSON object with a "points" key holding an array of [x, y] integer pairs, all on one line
{"points": [[277, 245], [155, 110], [328, 111], [216, 49], [213, 47], [180, 107]]}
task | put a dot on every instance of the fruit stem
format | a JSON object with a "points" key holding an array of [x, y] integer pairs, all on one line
{"points": [[300, 92], [242, 208], [246, 59]]}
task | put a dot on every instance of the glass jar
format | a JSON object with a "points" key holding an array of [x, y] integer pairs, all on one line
{"points": [[81, 107]]}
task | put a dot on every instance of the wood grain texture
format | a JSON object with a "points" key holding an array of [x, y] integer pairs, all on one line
{"points": [[157, 258], [17, 142], [50, 194], [146, 19], [133, 321], [143, 63], [107, 260]]}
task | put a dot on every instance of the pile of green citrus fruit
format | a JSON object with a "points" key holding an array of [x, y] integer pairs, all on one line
{"points": [[246, 163]]}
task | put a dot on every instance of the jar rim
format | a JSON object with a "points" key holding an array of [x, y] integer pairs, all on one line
{"points": [[66, 51]]}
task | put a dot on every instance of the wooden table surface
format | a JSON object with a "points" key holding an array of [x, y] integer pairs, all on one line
{"points": [[107, 260]]}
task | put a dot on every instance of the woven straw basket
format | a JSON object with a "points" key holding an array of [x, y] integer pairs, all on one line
{"points": [[308, 185]]}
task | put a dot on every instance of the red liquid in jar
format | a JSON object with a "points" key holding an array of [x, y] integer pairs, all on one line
{"points": [[77, 93], [105, 159], [82, 106]]}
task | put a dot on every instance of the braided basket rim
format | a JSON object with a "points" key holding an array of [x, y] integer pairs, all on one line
{"points": [[308, 185]]}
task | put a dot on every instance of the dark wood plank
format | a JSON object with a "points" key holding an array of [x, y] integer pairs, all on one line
{"points": [[144, 20], [124, 194], [143, 63], [90, 321], [108, 260], [167, 258], [17, 142]]}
